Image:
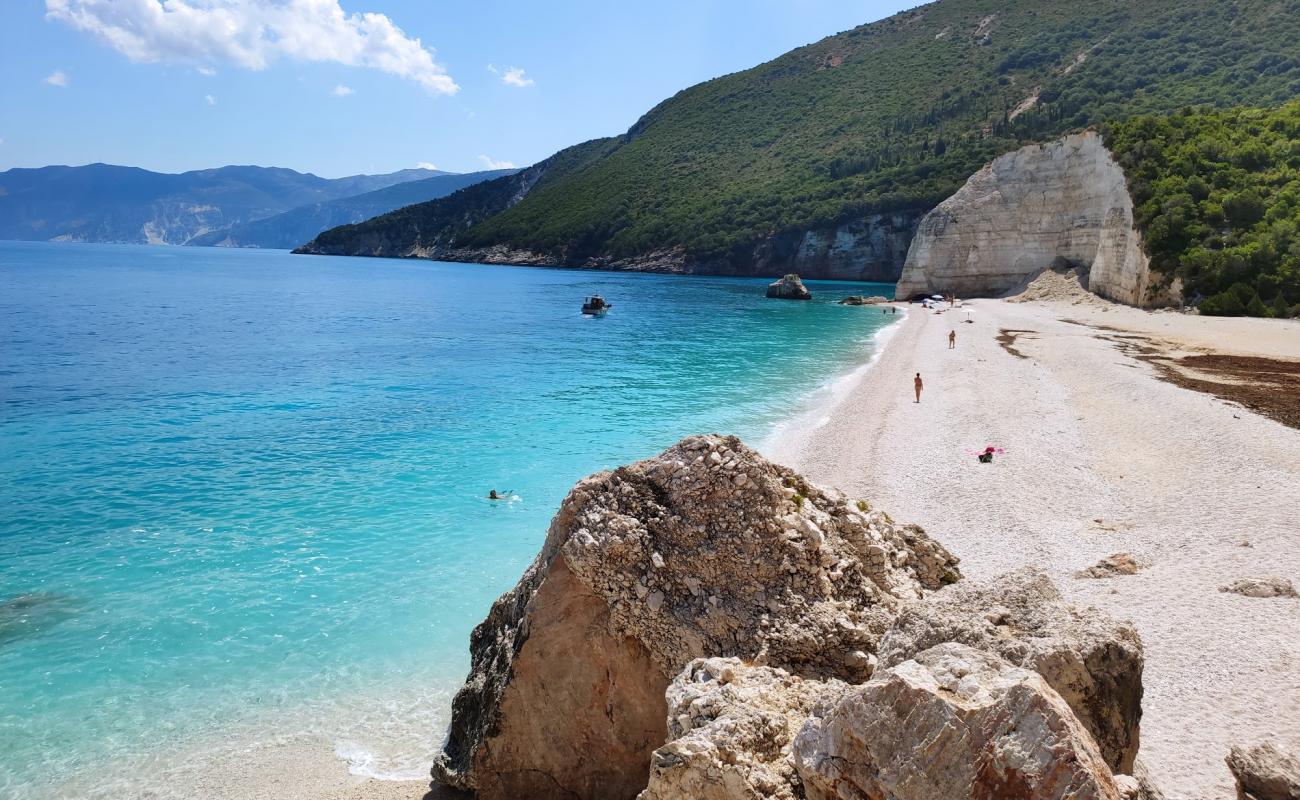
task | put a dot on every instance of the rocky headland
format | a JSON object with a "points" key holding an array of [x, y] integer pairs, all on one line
{"points": [[873, 248], [1063, 203], [708, 624]]}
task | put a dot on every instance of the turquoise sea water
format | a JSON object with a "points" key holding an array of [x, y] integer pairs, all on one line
{"points": [[244, 489]]}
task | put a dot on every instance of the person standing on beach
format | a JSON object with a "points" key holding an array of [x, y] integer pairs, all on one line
{"points": [[919, 386], [952, 339]]}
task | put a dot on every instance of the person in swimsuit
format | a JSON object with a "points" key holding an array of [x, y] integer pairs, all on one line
{"points": [[919, 385]]}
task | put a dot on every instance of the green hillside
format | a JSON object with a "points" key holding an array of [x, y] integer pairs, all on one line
{"points": [[1217, 197], [889, 116]]}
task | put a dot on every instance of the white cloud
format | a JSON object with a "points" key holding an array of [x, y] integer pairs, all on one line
{"points": [[422, 165], [494, 164], [341, 91], [514, 76], [493, 70], [205, 71], [212, 101], [254, 34], [57, 78]]}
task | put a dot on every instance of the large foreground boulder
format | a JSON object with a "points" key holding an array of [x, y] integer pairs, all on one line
{"points": [[1264, 773], [954, 722], [730, 728], [705, 550], [1093, 661]]}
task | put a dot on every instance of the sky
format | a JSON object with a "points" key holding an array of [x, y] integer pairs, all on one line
{"points": [[340, 87]]}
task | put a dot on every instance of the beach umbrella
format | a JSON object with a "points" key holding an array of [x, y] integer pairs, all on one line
{"points": [[936, 297]]}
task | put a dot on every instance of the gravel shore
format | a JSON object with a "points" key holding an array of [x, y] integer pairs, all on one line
{"points": [[1103, 455]]}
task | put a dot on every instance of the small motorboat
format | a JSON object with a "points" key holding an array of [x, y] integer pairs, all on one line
{"points": [[595, 305]]}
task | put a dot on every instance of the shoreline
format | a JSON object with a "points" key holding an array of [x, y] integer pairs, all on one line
{"points": [[247, 759], [1103, 455], [860, 432], [814, 410]]}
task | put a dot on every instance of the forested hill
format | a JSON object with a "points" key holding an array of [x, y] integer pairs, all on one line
{"points": [[1217, 197], [812, 160], [300, 224]]}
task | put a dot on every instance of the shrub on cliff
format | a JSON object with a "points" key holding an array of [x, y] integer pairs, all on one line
{"points": [[1216, 195]]}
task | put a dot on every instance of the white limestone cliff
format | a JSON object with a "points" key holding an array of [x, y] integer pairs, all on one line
{"points": [[1045, 204]]}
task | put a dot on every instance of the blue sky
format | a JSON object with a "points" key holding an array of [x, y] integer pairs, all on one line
{"points": [[338, 87]]}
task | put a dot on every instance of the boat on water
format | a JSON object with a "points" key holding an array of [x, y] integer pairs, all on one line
{"points": [[595, 306]]}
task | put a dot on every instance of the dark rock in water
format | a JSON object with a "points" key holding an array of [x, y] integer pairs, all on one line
{"points": [[1264, 773], [789, 288], [859, 300], [29, 614]]}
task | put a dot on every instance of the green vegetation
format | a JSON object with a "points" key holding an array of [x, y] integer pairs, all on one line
{"points": [[440, 222], [1217, 197], [890, 116]]}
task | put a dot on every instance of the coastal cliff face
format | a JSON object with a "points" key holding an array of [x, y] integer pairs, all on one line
{"points": [[873, 248], [707, 624], [1043, 205]]}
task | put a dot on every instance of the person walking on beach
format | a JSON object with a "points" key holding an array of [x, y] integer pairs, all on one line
{"points": [[952, 340], [919, 386]]}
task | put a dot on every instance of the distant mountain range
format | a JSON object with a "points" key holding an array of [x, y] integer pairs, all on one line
{"points": [[824, 160], [301, 224], [107, 203]]}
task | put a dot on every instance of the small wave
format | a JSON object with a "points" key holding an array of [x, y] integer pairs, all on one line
{"points": [[782, 442], [364, 763]]}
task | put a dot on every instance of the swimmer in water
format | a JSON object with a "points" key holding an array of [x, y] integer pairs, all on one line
{"points": [[492, 495]]}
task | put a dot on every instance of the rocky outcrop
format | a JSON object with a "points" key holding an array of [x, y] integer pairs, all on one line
{"points": [[1264, 773], [953, 722], [1261, 587], [1094, 662], [872, 248], [705, 550], [730, 728], [859, 300], [1062, 202], [1112, 566], [789, 288]]}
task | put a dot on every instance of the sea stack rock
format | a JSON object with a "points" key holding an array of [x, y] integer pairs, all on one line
{"points": [[789, 288], [953, 722], [1064, 202], [707, 550]]}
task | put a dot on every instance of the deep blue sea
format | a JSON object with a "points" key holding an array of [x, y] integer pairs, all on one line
{"points": [[245, 490]]}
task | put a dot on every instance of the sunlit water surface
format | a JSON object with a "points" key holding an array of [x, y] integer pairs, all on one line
{"points": [[244, 488]]}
